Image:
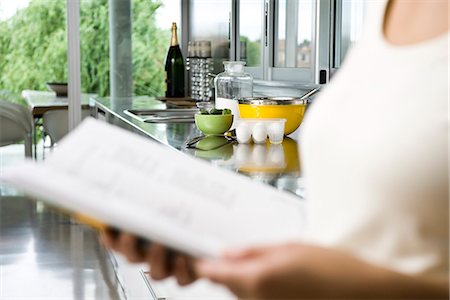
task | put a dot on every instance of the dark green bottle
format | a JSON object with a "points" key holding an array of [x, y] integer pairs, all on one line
{"points": [[174, 68]]}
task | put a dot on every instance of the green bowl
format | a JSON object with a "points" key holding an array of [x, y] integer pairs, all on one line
{"points": [[213, 124]]}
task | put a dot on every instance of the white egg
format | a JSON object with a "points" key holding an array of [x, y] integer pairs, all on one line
{"points": [[259, 133], [243, 133], [275, 132]]}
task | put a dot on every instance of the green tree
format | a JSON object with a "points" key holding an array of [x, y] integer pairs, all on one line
{"points": [[252, 51], [33, 47], [94, 46], [150, 45]]}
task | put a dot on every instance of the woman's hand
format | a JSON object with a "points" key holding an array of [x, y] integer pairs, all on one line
{"points": [[289, 271], [295, 271], [281, 272], [163, 262]]}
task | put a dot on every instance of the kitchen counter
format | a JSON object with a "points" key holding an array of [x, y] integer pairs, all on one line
{"points": [[275, 165], [45, 254]]}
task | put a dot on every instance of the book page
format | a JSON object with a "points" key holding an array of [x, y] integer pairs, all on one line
{"points": [[148, 189]]}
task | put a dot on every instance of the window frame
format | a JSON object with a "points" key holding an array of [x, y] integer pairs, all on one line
{"points": [[340, 33], [326, 43]]}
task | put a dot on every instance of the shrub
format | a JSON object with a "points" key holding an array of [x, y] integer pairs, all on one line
{"points": [[33, 47]]}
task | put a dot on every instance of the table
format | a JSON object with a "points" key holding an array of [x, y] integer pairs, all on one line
{"points": [[39, 102]]}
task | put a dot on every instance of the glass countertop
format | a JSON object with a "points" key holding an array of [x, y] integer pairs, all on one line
{"points": [[276, 165]]}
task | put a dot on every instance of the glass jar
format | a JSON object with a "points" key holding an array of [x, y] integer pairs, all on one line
{"points": [[231, 85], [199, 63]]}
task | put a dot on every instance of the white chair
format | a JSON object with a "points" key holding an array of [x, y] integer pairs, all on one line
{"points": [[56, 123], [16, 125]]}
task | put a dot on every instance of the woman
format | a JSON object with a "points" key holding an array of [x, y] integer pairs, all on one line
{"points": [[374, 152]]}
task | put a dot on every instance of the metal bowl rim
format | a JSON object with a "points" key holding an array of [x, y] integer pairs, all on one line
{"points": [[273, 101]]}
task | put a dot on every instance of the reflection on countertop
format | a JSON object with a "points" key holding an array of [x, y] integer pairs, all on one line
{"points": [[43, 255]]}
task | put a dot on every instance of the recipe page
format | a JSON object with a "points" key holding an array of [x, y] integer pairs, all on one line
{"points": [[149, 189]]}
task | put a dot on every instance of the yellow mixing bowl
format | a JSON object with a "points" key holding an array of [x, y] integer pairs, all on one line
{"points": [[290, 108]]}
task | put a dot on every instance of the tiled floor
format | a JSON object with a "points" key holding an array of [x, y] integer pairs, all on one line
{"points": [[43, 255]]}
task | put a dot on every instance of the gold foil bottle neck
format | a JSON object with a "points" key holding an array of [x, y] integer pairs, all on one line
{"points": [[174, 40]]}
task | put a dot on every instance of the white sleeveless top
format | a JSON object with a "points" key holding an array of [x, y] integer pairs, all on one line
{"points": [[374, 148]]}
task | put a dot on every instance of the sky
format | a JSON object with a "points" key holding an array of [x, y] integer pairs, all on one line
{"points": [[250, 25], [166, 15], [9, 7]]}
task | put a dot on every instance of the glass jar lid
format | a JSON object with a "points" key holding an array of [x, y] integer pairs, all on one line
{"points": [[234, 66]]}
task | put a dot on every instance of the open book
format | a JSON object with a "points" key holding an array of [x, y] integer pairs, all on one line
{"points": [[143, 187]]}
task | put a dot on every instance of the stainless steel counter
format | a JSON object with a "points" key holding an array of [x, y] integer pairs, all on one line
{"points": [[276, 165], [43, 255]]}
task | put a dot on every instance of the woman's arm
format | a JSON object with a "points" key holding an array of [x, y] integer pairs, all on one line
{"points": [[294, 271], [289, 271]]}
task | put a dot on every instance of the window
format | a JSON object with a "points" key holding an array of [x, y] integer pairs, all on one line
{"points": [[284, 42], [152, 23], [349, 24], [210, 20], [251, 31], [294, 34], [94, 47], [140, 34], [251, 36], [300, 41]]}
